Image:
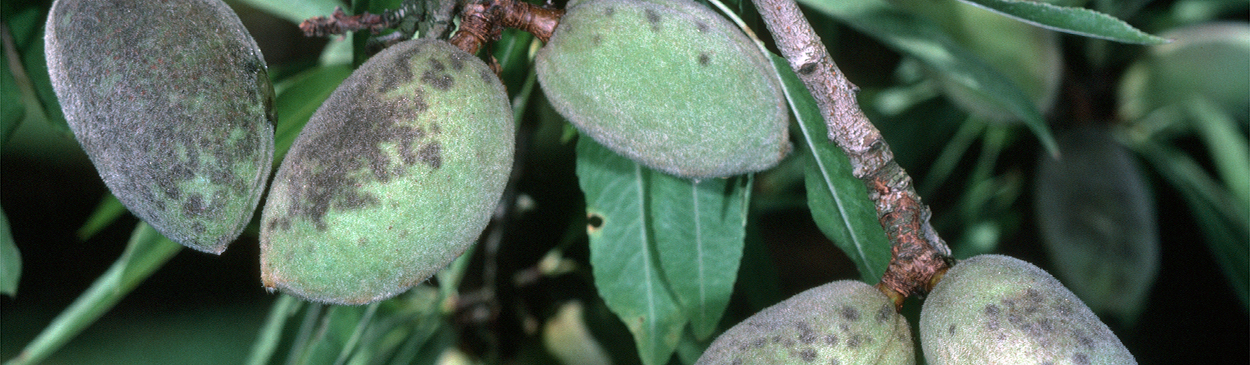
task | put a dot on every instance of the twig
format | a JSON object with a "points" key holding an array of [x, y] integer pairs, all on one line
{"points": [[483, 21], [341, 23], [919, 255]]}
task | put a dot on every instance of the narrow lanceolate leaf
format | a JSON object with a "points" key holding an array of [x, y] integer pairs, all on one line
{"points": [[917, 37], [838, 201], [623, 254], [147, 251], [105, 213], [1079, 21], [1222, 217], [11, 259], [699, 231]]}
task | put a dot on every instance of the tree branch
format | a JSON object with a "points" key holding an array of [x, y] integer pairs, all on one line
{"points": [[919, 255]]}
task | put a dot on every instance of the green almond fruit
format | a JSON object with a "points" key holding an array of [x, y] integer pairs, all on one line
{"points": [[843, 322], [669, 84], [393, 177], [172, 102], [993, 309], [1097, 220]]}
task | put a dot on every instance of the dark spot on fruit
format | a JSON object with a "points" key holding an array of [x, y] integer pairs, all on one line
{"points": [[1085, 341], [855, 341], [831, 340], [704, 59], [759, 343], [609, 11], [834, 362], [403, 71], [194, 205], [596, 39], [347, 153], [807, 68], [991, 321], [850, 313], [808, 354], [653, 18], [438, 81], [1080, 359], [457, 60], [806, 335], [883, 314], [950, 330], [431, 155], [486, 76], [437, 66], [701, 26]]}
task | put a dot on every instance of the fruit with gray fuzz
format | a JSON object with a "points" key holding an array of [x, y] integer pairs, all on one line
{"points": [[172, 102], [1097, 220], [671, 85], [994, 309], [843, 322], [393, 177]]}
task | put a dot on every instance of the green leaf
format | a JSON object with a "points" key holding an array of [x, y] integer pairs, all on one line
{"points": [[920, 38], [271, 332], [298, 99], [12, 107], [147, 251], [105, 213], [699, 231], [1224, 220], [1079, 21], [10, 259], [295, 11], [623, 255], [1226, 143], [839, 202], [26, 25]]}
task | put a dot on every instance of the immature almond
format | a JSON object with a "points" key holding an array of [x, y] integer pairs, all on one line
{"points": [[392, 178], [671, 85], [843, 322], [994, 309], [171, 100]]}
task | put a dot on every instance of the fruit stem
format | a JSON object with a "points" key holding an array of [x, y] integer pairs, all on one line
{"points": [[918, 254], [483, 21]]}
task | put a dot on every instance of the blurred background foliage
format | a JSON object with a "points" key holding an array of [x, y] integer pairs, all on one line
{"points": [[1146, 217]]}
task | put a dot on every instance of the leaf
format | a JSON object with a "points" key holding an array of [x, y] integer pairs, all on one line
{"points": [[1079, 21], [1224, 220], [271, 332], [623, 254], [839, 202], [299, 99], [1225, 143], [25, 22], [700, 227], [10, 259], [105, 213], [12, 107], [147, 251], [918, 37], [295, 11]]}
